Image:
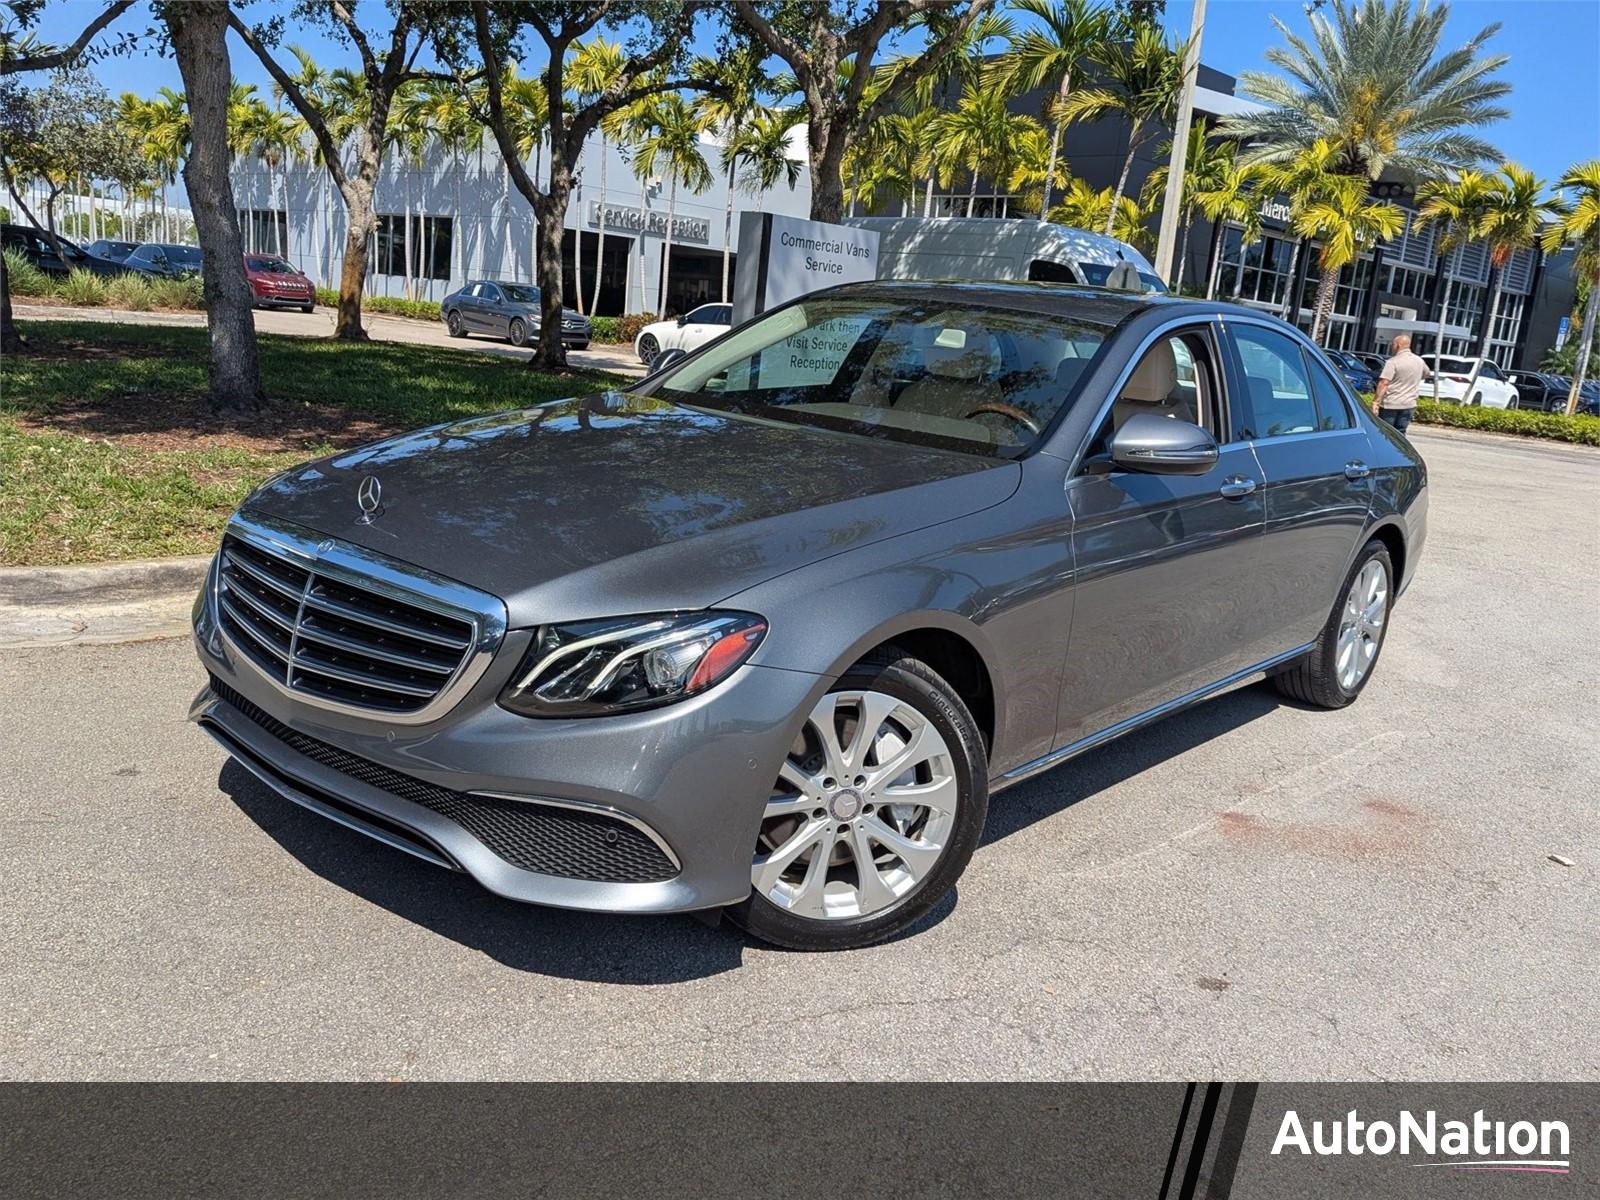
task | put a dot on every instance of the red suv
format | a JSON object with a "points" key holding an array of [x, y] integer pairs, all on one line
{"points": [[275, 284]]}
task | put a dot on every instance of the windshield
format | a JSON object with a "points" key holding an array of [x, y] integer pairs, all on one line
{"points": [[520, 293], [1449, 363], [1098, 273], [272, 266], [962, 377]]}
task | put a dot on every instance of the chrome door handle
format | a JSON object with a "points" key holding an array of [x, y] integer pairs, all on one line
{"points": [[1236, 486], [1356, 469]]}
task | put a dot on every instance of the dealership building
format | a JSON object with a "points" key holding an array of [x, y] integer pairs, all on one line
{"points": [[466, 221]]}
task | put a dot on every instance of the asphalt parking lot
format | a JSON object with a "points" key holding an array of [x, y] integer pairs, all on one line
{"points": [[1247, 890]]}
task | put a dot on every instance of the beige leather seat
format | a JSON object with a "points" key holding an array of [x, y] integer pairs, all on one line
{"points": [[958, 378], [1153, 388]]}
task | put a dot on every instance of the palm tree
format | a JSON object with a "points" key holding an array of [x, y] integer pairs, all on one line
{"points": [[763, 150], [1301, 178], [596, 65], [1207, 165], [271, 135], [980, 133], [313, 84], [448, 110], [1046, 55], [160, 129], [528, 118], [672, 144], [1141, 76], [1453, 207], [725, 111], [1234, 194], [1373, 82], [1579, 225], [1081, 207], [1515, 213], [410, 127], [1347, 223]]}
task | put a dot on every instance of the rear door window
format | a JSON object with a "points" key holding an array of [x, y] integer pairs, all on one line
{"points": [[1332, 411], [1278, 399]]}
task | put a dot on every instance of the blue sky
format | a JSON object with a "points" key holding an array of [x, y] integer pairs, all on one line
{"points": [[1554, 69]]}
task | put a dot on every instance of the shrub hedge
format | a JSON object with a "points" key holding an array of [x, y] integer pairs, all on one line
{"points": [[605, 329], [83, 288], [628, 327], [24, 278], [1583, 430]]}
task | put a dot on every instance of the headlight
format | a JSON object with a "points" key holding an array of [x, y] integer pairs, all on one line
{"points": [[623, 664]]}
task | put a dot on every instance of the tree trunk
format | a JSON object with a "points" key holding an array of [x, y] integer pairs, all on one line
{"points": [[666, 246], [827, 173], [1488, 330], [199, 33], [359, 221], [1580, 367], [458, 248], [600, 240], [405, 232], [727, 232], [1183, 250], [972, 192], [1291, 302], [1444, 311], [927, 198], [1122, 180], [1324, 303], [10, 339], [577, 260], [1214, 264], [550, 216]]}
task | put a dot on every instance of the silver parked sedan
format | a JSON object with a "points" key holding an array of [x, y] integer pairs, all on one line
{"points": [[768, 632], [506, 310]]}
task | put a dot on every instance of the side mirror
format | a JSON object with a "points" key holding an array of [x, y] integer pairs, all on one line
{"points": [[683, 320], [1163, 446], [666, 359]]}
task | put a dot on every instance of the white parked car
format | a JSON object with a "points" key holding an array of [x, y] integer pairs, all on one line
{"points": [[1492, 390], [688, 332]]}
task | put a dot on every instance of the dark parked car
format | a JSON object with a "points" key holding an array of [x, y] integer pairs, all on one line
{"points": [[164, 259], [112, 250], [766, 632], [1372, 362], [507, 310], [274, 283], [35, 246], [1355, 371], [1538, 392]]}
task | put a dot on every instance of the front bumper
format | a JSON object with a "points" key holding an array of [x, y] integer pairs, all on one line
{"points": [[693, 777]]}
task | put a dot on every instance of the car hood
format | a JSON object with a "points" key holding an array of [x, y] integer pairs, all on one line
{"points": [[617, 503], [535, 311], [278, 277]]}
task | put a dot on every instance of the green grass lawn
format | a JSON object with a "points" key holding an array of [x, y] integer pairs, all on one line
{"points": [[107, 450]]}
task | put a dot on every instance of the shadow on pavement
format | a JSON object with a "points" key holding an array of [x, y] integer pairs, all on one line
{"points": [[592, 947], [1119, 761]]}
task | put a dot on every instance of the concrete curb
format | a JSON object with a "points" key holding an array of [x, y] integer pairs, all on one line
{"points": [[102, 584]]}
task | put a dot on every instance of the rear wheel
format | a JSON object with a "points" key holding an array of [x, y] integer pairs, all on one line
{"points": [[648, 348], [876, 811], [517, 331], [1334, 671], [454, 325]]}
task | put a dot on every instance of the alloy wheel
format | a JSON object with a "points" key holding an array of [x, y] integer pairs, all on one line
{"points": [[1361, 628], [863, 809], [648, 348]]}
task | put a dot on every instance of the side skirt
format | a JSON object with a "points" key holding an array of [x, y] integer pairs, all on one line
{"points": [[1058, 756]]}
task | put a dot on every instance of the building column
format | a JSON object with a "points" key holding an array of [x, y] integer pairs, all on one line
{"points": [[1367, 328]]}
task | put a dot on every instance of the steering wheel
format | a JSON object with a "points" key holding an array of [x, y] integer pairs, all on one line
{"points": [[1009, 411]]}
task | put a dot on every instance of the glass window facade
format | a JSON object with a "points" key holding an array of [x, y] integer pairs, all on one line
{"points": [[430, 246]]}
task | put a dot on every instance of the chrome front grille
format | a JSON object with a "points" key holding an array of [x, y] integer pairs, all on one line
{"points": [[342, 628]]}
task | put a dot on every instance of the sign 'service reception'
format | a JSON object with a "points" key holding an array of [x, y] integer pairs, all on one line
{"points": [[793, 257]]}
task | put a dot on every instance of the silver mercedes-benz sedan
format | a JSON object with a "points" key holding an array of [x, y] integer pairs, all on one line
{"points": [[765, 633]]}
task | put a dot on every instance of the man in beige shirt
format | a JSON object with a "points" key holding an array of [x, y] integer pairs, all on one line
{"points": [[1398, 385]]}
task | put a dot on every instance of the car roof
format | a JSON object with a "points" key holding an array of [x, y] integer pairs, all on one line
{"points": [[1097, 305]]}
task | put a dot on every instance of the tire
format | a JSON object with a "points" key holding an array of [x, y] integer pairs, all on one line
{"points": [[1317, 679], [517, 332], [452, 323], [305, 308], [951, 769], [579, 346], [648, 348]]}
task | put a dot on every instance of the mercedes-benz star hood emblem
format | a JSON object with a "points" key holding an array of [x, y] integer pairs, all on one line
{"points": [[370, 497]]}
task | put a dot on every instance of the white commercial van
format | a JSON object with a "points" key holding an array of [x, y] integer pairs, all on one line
{"points": [[992, 248]]}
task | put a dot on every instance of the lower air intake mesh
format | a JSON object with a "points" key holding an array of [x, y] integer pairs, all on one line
{"points": [[565, 842]]}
